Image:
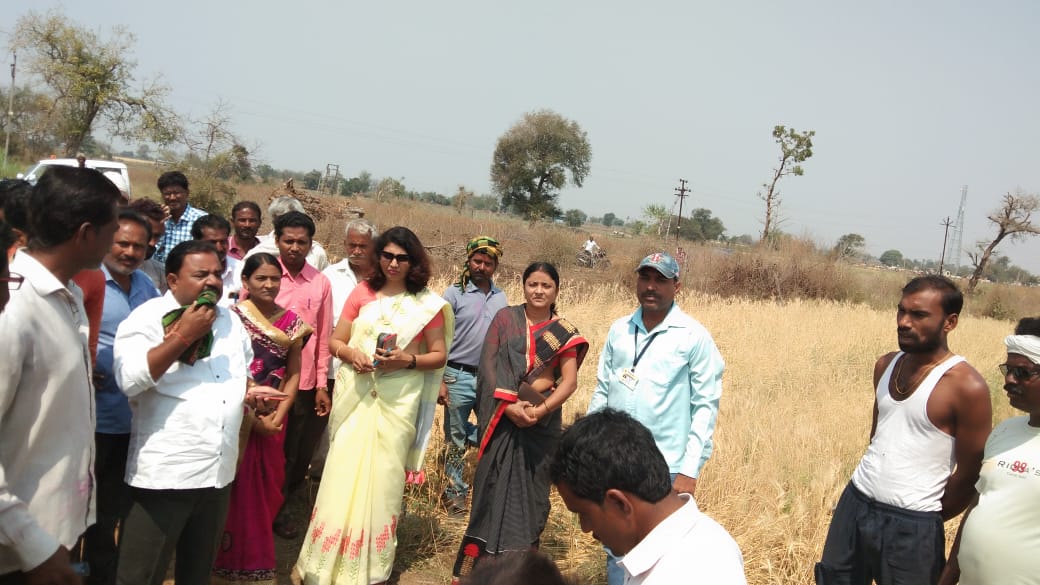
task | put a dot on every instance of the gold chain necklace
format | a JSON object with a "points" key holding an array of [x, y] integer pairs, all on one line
{"points": [[921, 376], [396, 303]]}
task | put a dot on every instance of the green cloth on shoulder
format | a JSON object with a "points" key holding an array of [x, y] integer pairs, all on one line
{"points": [[200, 348]]}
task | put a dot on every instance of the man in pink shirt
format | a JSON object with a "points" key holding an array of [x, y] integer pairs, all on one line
{"points": [[308, 293], [245, 217]]}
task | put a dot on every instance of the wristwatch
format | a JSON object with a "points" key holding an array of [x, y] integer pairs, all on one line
{"points": [[411, 366]]}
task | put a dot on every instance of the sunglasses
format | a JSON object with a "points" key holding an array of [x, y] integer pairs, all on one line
{"points": [[14, 281], [401, 258], [1017, 372]]}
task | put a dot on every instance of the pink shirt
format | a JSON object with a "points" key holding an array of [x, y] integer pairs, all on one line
{"points": [[309, 295], [234, 250]]}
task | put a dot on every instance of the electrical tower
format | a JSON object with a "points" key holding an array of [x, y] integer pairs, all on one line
{"points": [[958, 233], [329, 184]]}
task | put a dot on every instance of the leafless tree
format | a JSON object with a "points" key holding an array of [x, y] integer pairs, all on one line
{"points": [[1014, 219]]}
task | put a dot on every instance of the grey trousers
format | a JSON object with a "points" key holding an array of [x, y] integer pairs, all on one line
{"points": [[161, 522]]}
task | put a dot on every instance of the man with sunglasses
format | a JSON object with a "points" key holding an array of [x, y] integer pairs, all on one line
{"points": [[931, 411], [474, 299], [1000, 533]]}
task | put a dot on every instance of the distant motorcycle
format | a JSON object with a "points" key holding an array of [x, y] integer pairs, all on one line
{"points": [[598, 259]]}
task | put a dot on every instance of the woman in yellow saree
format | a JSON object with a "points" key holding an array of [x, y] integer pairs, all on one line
{"points": [[382, 411]]}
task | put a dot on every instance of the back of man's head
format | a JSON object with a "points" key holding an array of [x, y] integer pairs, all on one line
{"points": [[64, 199], [609, 449], [14, 201]]}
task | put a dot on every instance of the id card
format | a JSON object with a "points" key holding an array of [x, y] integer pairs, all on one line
{"points": [[629, 378]]}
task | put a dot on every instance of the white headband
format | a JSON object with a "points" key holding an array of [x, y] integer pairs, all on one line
{"points": [[1024, 345]]}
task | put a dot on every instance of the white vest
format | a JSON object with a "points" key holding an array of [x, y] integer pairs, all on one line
{"points": [[909, 459]]}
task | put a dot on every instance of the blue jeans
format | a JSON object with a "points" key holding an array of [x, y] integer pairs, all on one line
{"points": [[458, 431], [615, 574]]}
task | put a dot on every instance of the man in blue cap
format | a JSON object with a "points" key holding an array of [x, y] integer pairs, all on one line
{"points": [[662, 367]]}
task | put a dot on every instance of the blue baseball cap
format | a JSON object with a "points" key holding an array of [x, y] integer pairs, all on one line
{"points": [[661, 262]]}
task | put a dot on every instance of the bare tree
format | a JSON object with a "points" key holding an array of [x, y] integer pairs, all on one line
{"points": [[795, 148], [1014, 219]]}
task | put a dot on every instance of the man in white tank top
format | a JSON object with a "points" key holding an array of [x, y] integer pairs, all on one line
{"points": [[931, 417], [1000, 533]]}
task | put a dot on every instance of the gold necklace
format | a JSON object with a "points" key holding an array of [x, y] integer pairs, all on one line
{"points": [[382, 313], [921, 376]]}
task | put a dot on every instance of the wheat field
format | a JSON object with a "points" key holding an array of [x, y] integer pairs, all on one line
{"points": [[794, 420], [795, 411]]}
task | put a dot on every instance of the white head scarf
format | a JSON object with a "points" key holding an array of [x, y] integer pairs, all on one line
{"points": [[1027, 346]]}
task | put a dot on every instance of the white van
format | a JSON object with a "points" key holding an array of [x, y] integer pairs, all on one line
{"points": [[115, 171]]}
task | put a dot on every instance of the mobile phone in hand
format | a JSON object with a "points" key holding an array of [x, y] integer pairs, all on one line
{"points": [[386, 342]]}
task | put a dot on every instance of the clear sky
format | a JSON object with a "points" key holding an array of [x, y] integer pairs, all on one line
{"points": [[909, 100]]}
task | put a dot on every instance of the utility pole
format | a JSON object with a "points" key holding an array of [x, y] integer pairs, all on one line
{"points": [[946, 223], [10, 110], [680, 192]]}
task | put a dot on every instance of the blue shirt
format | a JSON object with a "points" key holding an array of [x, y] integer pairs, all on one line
{"points": [[678, 389], [474, 311], [177, 232], [113, 410]]}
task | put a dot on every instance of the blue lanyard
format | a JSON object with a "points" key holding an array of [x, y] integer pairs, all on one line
{"points": [[635, 349]]}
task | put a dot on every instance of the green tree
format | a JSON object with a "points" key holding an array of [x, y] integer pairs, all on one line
{"points": [[575, 217], [533, 160], [637, 227], [359, 184], [312, 179], [608, 219], [849, 245], [90, 80], [891, 258], [266, 172], [700, 226], [795, 148], [1014, 219], [656, 216]]}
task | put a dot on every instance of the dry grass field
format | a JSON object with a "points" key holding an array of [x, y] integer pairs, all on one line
{"points": [[795, 411]]}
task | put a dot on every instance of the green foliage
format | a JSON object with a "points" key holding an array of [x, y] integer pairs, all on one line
{"points": [[849, 245], [891, 258], [574, 217], [656, 216], [32, 136], [90, 80], [700, 226], [533, 160], [312, 179], [266, 172], [637, 227], [608, 219], [390, 188], [795, 149], [360, 184]]}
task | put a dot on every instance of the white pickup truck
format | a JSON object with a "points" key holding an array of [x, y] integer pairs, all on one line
{"points": [[115, 171]]}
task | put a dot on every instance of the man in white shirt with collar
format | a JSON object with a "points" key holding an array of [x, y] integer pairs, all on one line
{"points": [[344, 276], [186, 420], [46, 399], [610, 473]]}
